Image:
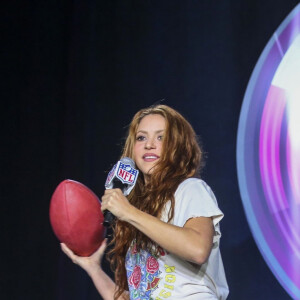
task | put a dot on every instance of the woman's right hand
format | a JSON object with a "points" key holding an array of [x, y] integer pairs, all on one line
{"points": [[91, 263]]}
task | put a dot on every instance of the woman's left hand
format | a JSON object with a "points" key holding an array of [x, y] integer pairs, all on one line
{"points": [[114, 201]]}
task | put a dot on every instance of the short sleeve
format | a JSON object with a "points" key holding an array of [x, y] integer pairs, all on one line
{"points": [[194, 198]]}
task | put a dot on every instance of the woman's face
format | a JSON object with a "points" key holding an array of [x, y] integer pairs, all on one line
{"points": [[148, 143]]}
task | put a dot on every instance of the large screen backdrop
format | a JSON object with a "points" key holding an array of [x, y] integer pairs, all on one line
{"points": [[268, 153]]}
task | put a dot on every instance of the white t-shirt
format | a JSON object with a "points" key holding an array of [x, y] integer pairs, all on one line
{"points": [[169, 276]]}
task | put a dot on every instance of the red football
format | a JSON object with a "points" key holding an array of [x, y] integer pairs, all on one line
{"points": [[76, 217]]}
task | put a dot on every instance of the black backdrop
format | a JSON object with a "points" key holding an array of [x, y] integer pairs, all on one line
{"points": [[74, 74]]}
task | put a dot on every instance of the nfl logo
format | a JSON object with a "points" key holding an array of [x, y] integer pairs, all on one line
{"points": [[126, 174]]}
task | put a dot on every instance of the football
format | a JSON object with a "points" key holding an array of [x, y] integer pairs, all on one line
{"points": [[76, 217]]}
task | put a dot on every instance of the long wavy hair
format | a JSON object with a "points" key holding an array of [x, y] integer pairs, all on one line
{"points": [[181, 158]]}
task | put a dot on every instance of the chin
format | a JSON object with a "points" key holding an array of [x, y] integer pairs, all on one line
{"points": [[146, 172], [148, 169]]}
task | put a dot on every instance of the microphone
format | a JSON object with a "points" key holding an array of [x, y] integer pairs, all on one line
{"points": [[123, 175]]}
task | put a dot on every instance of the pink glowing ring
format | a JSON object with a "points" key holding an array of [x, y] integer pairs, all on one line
{"points": [[268, 153]]}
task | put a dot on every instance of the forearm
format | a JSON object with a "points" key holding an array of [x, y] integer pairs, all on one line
{"points": [[185, 242], [105, 285], [193, 242]]}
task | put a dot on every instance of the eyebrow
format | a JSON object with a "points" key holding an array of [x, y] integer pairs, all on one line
{"points": [[144, 131]]}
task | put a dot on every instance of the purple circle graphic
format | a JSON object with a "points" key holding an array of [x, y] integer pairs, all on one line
{"points": [[268, 153]]}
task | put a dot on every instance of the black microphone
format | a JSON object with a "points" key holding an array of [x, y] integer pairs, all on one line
{"points": [[123, 176]]}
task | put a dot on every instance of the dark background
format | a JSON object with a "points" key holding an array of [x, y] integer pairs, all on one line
{"points": [[75, 72]]}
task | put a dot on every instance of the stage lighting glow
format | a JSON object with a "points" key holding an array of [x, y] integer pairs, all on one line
{"points": [[268, 153]]}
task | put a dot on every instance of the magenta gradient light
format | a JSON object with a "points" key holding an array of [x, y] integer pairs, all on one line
{"points": [[268, 153]]}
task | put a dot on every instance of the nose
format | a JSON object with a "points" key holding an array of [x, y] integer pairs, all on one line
{"points": [[150, 144]]}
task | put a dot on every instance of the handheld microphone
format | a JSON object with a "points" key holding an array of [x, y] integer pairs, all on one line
{"points": [[123, 176]]}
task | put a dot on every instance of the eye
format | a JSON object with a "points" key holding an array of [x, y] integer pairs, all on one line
{"points": [[140, 138], [160, 137]]}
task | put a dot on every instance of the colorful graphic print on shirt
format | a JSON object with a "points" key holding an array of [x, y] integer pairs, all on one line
{"points": [[143, 273]]}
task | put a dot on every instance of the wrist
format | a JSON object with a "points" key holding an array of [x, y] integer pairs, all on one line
{"points": [[132, 215], [93, 270]]}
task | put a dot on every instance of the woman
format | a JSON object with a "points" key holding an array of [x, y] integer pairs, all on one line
{"points": [[166, 237]]}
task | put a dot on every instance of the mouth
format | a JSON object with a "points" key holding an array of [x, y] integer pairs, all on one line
{"points": [[149, 157]]}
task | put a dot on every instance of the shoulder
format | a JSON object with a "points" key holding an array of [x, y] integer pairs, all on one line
{"points": [[194, 198], [194, 186], [192, 181]]}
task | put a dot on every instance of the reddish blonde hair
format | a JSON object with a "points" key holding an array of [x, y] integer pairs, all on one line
{"points": [[181, 158]]}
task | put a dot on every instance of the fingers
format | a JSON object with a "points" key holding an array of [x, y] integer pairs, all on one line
{"points": [[111, 191], [110, 197], [101, 249], [65, 249], [68, 252], [103, 245], [90, 263], [114, 201]]}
